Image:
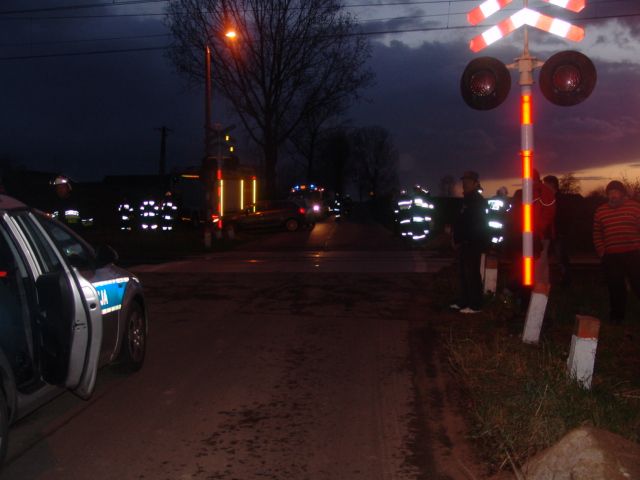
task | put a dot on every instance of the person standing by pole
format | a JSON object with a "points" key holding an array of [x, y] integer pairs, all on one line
{"points": [[616, 236], [544, 215], [469, 239], [562, 226]]}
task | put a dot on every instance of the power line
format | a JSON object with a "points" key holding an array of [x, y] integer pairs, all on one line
{"points": [[115, 3], [84, 40], [94, 52], [373, 33], [162, 14]]}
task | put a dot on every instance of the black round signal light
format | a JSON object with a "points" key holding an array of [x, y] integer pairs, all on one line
{"points": [[485, 83], [568, 78]]}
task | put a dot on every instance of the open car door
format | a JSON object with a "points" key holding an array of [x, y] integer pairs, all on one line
{"points": [[69, 323]]}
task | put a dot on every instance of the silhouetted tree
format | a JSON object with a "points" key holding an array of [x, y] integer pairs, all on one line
{"points": [[569, 183], [632, 185], [291, 59], [375, 161], [447, 183], [334, 154]]}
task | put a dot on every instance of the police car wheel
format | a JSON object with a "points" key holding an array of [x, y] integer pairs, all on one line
{"points": [[4, 427], [134, 343], [292, 225]]}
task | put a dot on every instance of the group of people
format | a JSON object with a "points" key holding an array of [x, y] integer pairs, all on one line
{"points": [[616, 237]]}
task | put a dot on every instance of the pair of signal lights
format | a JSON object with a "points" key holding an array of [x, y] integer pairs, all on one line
{"points": [[566, 79]]}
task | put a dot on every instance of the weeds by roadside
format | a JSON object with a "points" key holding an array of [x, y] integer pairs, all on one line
{"points": [[520, 399]]}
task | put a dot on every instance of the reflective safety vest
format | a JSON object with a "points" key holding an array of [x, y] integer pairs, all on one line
{"points": [[497, 208]]}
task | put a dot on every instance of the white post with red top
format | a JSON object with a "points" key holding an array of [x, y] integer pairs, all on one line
{"points": [[582, 355]]}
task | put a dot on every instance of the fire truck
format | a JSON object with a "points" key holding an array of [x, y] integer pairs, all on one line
{"points": [[207, 194]]}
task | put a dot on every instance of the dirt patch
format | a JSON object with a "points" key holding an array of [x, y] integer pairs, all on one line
{"points": [[443, 447]]}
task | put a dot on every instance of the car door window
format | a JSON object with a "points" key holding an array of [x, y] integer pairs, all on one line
{"points": [[16, 300], [42, 249], [77, 252]]}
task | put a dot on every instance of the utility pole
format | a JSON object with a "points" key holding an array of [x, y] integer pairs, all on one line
{"points": [[164, 132]]}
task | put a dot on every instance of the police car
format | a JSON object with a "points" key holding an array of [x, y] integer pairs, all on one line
{"points": [[65, 310]]}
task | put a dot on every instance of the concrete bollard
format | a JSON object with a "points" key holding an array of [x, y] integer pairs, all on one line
{"points": [[582, 355], [218, 233], [535, 313], [491, 274], [207, 238], [483, 260], [231, 232]]}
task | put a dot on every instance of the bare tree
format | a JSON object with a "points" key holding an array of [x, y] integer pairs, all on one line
{"points": [[291, 59], [333, 157], [447, 184], [376, 161], [632, 185], [569, 183], [307, 136]]}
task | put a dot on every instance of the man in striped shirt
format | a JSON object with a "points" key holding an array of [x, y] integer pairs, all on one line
{"points": [[616, 236]]}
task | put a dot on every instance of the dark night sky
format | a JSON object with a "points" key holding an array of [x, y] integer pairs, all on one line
{"points": [[93, 115]]}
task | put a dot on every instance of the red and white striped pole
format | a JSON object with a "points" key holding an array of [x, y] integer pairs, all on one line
{"points": [[526, 153], [526, 64]]}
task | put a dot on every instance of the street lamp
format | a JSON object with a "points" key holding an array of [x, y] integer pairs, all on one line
{"points": [[214, 202]]}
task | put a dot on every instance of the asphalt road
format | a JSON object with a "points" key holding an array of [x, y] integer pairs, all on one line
{"points": [[288, 359]]}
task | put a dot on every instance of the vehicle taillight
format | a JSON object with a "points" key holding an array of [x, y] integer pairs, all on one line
{"points": [[3, 274], [301, 211]]}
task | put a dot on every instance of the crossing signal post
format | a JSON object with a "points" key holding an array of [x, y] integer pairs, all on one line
{"points": [[566, 79]]}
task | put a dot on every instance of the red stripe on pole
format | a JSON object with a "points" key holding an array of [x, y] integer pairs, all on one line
{"points": [[526, 163], [527, 218], [526, 118], [527, 271]]}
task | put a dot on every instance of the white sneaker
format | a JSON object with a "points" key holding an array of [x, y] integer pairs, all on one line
{"points": [[454, 306], [469, 310]]}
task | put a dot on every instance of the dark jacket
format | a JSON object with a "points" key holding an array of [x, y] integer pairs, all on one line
{"points": [[470, 224]]}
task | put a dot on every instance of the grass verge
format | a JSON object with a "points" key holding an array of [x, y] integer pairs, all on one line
{"points": [[520, 399]]}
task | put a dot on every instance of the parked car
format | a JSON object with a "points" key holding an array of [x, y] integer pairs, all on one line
{"points": [[65, 310], [274, 213]]}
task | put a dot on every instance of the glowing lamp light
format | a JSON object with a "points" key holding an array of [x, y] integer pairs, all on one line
{"points": [[231, 34]]}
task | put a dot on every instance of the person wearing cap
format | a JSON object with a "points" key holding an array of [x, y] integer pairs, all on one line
{"points": [[469, 240], [616, 236], [64, 206]]}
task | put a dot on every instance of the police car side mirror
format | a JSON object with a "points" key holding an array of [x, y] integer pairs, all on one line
{"points": [[106, 255]]}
